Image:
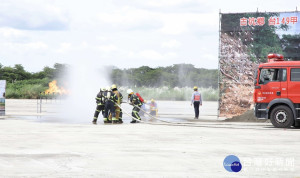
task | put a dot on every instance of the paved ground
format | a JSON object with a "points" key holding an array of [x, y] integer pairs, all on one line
{"points": [[33, 146]]}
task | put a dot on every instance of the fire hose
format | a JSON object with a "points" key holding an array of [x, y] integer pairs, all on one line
{"points": [[168, 122], [124, 111]]}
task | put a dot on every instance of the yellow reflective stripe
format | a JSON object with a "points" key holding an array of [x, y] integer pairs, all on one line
{"points": [[135, 112]]}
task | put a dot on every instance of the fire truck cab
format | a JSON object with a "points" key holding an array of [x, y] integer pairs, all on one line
{"points": [[277, 91]]}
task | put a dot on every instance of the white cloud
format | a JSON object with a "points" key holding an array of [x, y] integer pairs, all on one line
{"points": [[151, 55], [171, 44], [115, 30], [164, 3], [176, 24], [125, 15], [31, 46], [170, 23], [64, 47], [32, 15], [10, 32], [107, 48], [36, 45]]}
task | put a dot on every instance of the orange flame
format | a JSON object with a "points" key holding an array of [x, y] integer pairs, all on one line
{"points": [[54, 89]]}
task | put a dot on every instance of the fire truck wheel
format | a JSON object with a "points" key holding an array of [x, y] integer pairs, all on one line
{"points": [[282, 117]]}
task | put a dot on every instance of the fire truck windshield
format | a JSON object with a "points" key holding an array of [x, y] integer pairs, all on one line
{"points": [[268, 75]]}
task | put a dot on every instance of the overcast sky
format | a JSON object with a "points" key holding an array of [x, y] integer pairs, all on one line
{"points": [[124, 33]]}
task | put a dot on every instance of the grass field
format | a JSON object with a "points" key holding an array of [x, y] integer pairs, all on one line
{"points": [[177, 94]]}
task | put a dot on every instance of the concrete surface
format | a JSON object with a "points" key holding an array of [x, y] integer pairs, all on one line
{"points": [[31, 147]]}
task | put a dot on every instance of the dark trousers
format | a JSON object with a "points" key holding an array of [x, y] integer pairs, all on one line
{"points": [[109, 107], [196, 108], [135, 113], [99, 108]]}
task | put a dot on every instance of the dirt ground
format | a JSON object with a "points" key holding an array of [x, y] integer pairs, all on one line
{"points": [[42, 145]]}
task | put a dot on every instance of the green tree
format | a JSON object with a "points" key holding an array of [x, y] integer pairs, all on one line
{"points": [[179, 75], [291, 46]]}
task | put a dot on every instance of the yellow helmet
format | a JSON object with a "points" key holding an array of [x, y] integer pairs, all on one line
{"points": [[152, 100], [114, 86], [195, 88], [129, 92], [145, 101]]}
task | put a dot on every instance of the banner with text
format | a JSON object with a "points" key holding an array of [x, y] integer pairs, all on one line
{"points": [[245, 41]]}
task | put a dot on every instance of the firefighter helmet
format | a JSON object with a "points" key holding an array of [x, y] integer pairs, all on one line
{"points": [[129, 91], [113, 86]]}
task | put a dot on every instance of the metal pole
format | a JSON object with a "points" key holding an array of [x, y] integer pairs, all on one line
{"points": [[219, 99], [41, 103], [37, 104]]}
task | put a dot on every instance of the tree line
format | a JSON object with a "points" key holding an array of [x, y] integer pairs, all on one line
{"points": [[18, 73], [177, 75], [24, 84]]}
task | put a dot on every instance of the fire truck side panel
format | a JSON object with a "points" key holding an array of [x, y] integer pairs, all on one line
{"points": [[284, 83], [294, 85]]}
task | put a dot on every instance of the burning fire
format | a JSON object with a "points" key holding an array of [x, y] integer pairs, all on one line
{"points": [[54, 89]]}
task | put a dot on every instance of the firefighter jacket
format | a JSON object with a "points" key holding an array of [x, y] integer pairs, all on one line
{"points": [[135, 100], [100, 98]]}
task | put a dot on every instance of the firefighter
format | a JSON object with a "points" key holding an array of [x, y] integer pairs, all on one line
{"points": [[197, 101], [110, 107], [136, 102], [100, 104], [117, 98], [153, 107]]}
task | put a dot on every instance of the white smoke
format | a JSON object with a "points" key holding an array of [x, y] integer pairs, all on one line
{"points": [[85, 81]]}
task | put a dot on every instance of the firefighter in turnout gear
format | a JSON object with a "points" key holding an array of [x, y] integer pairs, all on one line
{"points": [[100, 105], [109, 107], [153, 108], [117, 98], [135, 101], [197, 101]]}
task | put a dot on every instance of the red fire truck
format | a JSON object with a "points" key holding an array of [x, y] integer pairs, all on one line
{"points": [[277, 91]]}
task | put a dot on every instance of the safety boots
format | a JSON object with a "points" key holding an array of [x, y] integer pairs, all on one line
{"points": [[135, 121]]}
